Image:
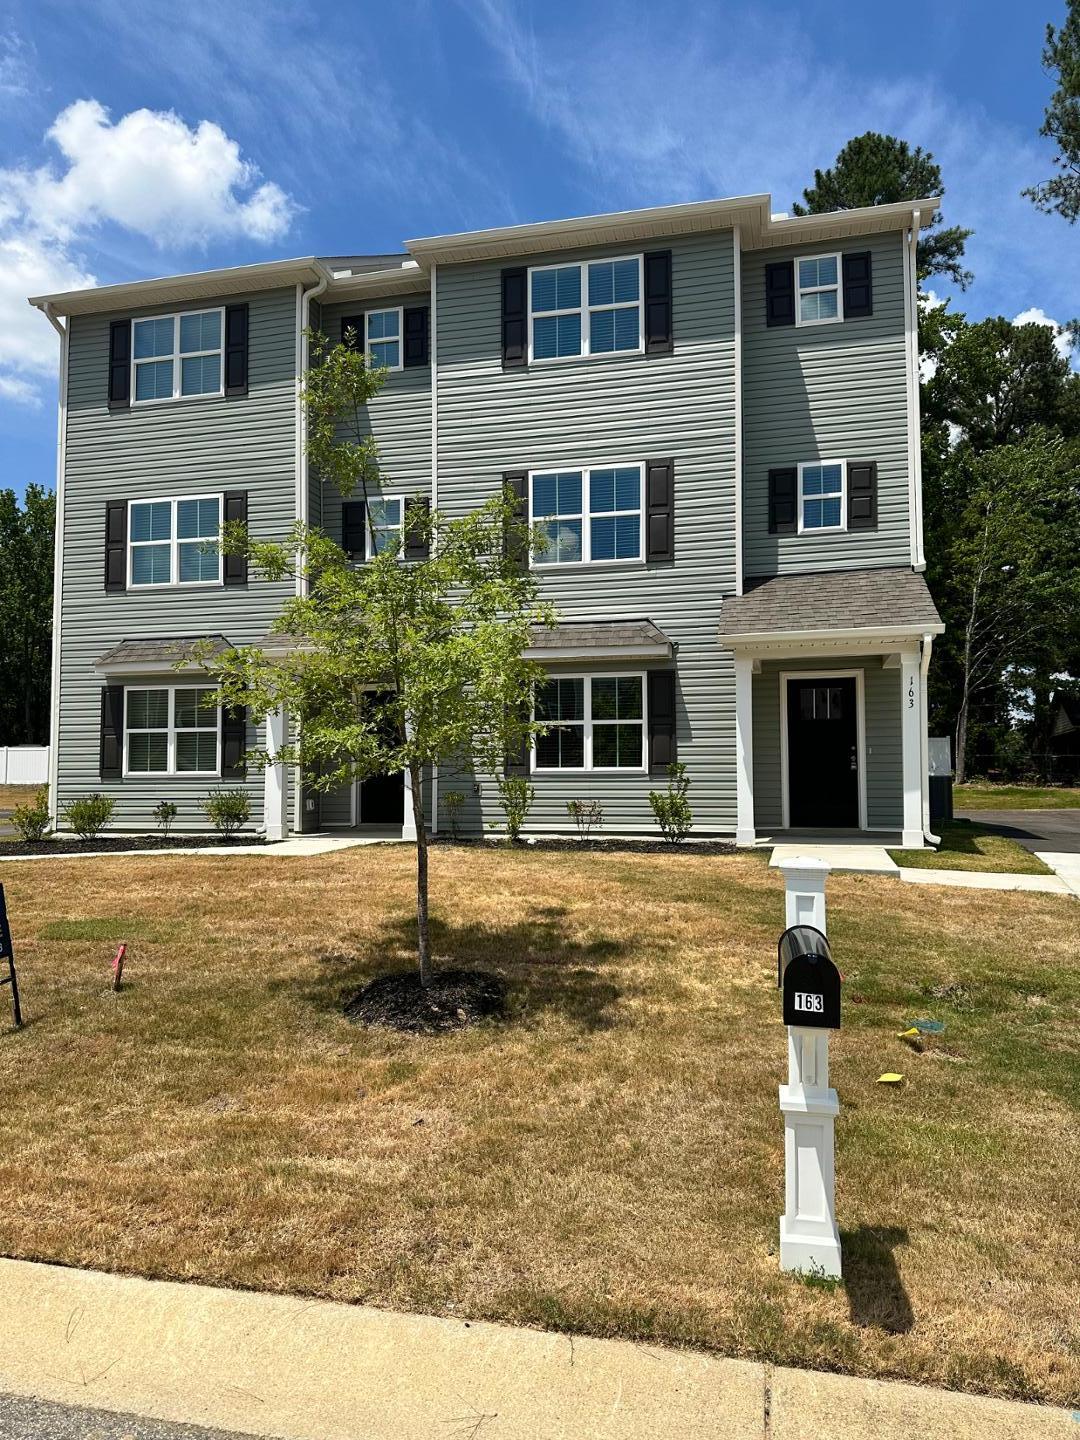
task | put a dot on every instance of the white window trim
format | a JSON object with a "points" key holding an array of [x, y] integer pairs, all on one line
{"points": [[801, 290], [171, 734], [537, 562], [823, 529], [369, 549], [589, 725], [174, 582], [585, 309], [176, 357], [399, 311]]}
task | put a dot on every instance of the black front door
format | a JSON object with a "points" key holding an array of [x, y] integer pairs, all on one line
{"points": [[823, 754], [382, 797]]}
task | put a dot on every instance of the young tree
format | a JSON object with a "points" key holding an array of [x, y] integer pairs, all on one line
{"points": [[1061, 57], [26, 592], [439, 638], [875, 169]]}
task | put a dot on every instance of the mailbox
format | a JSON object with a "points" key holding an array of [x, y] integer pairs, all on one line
{"points": [[809, 980]]}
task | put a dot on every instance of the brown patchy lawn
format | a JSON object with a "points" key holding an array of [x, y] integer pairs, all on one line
{"points": [[12, 795], [610, 1160]]}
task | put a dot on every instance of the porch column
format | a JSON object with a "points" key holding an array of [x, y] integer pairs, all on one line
{"points": [[745, 833], [275, 810], [408, 823], [911, 723]]}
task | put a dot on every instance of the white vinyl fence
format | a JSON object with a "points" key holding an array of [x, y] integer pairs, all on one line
{"points": [[24, 764]]}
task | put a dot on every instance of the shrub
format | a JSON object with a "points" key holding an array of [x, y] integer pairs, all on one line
{"points": [[32, 820], [672, 808], [89, 815], [454, 801], [228, 811], [165, 812], [585, 814], [516, 796]]}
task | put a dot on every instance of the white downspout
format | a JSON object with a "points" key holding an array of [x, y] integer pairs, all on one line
{"points": [[911, 288], [924, 741], [58, 562], [434, 478]]}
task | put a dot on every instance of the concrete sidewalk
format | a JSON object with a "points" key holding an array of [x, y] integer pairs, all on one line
{"points": [[311, 1370]]}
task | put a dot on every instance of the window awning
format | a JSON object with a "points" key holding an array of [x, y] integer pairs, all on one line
{"points": [[592, 640], [876, 605], [137, 657]]}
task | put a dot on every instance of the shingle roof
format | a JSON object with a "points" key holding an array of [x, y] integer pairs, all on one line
{"points": [[892, 599], [159, 652], [600, 637]]}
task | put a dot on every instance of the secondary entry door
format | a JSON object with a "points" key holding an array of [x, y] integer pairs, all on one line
{"points": [[382, 797], [823, 753]]}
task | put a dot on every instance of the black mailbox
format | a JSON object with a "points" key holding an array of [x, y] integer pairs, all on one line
{"points": [[808, 978]]}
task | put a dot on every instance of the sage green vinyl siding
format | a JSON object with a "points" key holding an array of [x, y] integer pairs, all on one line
{"points": [[185, 447], [608, 409], [828, 392], [884, 775]]}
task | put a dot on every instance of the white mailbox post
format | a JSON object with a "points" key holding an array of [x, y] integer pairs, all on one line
{"points": [[809, 1239]]}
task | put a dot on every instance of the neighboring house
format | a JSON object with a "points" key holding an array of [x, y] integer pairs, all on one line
{"points": [[1064, 756], [713, 411]]}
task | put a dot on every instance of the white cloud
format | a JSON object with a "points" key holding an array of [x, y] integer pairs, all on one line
{"points": [[1037, 316], [15, 67]]}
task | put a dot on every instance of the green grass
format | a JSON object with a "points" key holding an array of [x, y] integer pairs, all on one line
{"points": [[113, 930], [983, 795], [966, 845]]}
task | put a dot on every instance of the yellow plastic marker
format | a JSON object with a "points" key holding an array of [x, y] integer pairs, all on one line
{"points": [[890, 1079], [912, 1034]]}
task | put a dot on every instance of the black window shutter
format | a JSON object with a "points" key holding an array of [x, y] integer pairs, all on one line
{"points": [[354, 529], [862, 495], [236, 509], [119, 364], [780, 293], [784, 501], [416, 336], [352, 332], [236, 349], [660, 510], [111, 754], [515, 325], [659, 334], [516, 545], [233, 742], [416, 540], [116, 545], [663, 750], [516, 760], [858, 285]]}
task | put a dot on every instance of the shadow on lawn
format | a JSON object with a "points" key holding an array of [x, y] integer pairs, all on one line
{"points": [[875, 1290], [545, 966]]}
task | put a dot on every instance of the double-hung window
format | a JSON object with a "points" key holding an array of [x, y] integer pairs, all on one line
{"points": [[177, 355], [587, 516], [591, 308], [171, 730], [819, 300], [383, 340], [387, 525], [174, 542], [821, 496], [594, 722]]}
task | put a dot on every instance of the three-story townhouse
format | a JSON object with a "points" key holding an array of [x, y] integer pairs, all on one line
{"points": [[711, 413]]}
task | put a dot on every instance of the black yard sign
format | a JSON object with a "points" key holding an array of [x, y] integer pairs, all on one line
{"points": [[7, 952]]}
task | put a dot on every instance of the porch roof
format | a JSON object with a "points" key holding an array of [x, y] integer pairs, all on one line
{"points": [[157, 653], [600, 640], [892, 599]]}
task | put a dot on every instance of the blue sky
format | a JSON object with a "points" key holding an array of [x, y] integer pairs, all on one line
{"points": [[141, 139]]}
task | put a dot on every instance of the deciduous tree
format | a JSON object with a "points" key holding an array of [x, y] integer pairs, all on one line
{"points": [[1061, 58], [26, 587]]}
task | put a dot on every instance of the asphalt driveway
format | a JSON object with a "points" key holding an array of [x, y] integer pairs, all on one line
{"points": [[1057, 831], [25, 1419]]}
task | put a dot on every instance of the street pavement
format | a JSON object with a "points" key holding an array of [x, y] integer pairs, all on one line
{"points": [[26, 1419], [1035, 830]]}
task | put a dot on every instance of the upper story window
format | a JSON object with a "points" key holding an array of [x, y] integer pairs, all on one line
{"points": [[177, 355], [171, 730], [821, 496], [383, 340], [819, 300], [594, 722], [591, 308], [589, 516], [387, 525], [174, 542]]}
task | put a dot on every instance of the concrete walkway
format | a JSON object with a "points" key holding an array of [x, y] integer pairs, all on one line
{"points": [[876, 860], [312, 1370]]}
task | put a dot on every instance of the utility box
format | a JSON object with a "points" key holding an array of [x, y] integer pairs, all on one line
{"points": [[808, 979], [939, 750]]}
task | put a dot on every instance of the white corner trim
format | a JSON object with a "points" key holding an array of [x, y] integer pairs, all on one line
{"points": [[911, 343], [434, 363], [58, 561], [736, 243], [859, 676]]}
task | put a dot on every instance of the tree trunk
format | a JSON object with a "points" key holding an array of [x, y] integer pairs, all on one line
{"points": [[961, 742], [423, 944]]}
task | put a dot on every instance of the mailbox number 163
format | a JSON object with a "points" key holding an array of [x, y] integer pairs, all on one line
{"points": [[809, 1003]]}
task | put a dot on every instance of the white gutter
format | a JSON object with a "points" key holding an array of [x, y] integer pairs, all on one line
{"points": [[911, 338], [924, 741], [434, 321], [58, 563], [736, 261]]}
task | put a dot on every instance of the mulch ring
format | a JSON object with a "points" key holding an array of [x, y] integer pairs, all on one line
{"points": [[452, 1000], [120, 844]]}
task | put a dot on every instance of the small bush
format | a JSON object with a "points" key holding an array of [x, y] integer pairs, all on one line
{"points": [[228, 811], [89, 815], [585, 814], [671, 807], [165, 812], [516, 796], [454, 801], [32, 820]]}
